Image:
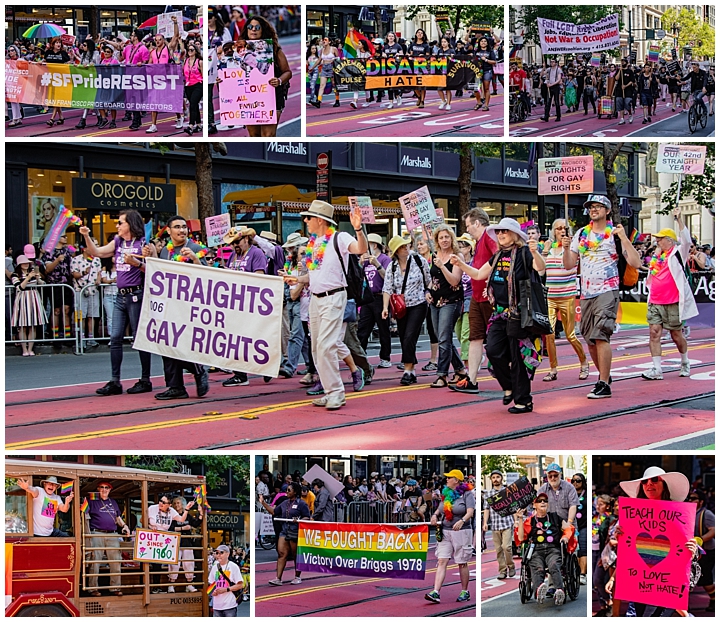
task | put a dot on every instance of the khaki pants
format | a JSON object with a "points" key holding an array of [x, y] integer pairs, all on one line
{"points": [[502, 541], [565, 308], [106, 545], [326, 328]]}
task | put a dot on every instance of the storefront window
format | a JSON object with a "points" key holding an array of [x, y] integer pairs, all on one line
{"points": [[48, 189], [493, 209], [518, 211]]}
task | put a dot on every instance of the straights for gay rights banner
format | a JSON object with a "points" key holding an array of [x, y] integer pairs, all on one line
{"points": [[154, 88], [363, 550]]}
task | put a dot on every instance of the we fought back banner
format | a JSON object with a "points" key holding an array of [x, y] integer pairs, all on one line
{"points": [[361, 550], [155, 88], [565, 38], [211, 316]]}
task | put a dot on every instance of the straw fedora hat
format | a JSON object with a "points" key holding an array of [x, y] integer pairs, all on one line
{"points": [[294, 239], [321, 209]]}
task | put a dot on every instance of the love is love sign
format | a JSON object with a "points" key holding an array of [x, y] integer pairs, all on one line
{"points": [[653, 564]]}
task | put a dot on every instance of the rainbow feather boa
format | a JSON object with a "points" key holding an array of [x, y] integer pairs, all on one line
{"points": [[451, 496]]}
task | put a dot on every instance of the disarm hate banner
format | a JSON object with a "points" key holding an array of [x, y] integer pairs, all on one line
{"points": [[246, 96], [566, 38], [212, 316], [362, 550], [514, 497], [157, 88], [653, 565]]}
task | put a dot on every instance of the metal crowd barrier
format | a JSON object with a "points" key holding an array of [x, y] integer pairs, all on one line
{"points": [[385, 512]]}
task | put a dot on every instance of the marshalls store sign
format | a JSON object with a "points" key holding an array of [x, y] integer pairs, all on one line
{"points": [[212, 316]]}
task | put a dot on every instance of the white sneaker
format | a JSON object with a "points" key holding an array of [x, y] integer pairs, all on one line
{"points": [[296, 581], [275, 582], [685, 331], [152, 129], [384, 364], [171, 590], [622, 121], [366, 104], [441, 106], [179, 123], [630, 120], [398, 101], [191, 588], [353, 104], [653, 374], [685, 370], [447, 106], [389, 105]]}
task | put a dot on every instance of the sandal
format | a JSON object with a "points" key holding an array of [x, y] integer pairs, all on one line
{"points": [[50, 123], [507, 398], [551, 375], [486, 109], [584, 372], [440, 382], [478, 106]]}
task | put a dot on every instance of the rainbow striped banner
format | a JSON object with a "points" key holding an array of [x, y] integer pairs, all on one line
{"points": [[363, 550]]}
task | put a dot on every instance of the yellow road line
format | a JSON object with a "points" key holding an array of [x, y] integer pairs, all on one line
{"points": [[319, 588], [122, 129], [259, 410]]}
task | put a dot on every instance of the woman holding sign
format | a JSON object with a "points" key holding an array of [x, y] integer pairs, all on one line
{"points": [[486, 56], [257, 28]]}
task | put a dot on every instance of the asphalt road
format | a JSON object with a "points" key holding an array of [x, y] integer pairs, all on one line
{"points": [[509, 606]]}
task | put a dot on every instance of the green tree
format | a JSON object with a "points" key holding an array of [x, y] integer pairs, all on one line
{"points": [[482, 151], [526, 19], [216, 467], [691, 31], [700, 188], [506, 464], [612, 183], [463, 15]]}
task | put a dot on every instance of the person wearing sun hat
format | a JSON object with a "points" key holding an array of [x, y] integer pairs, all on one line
{"points": [[46, 505], [513, 360], [327, 284], [594, 246], [408, 275], [670, 299], [294, 334], [456, 514]]}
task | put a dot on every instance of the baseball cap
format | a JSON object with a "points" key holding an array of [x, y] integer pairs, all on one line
{"points": [[457, 473], [29, 251], [554, 466], [597, 198], [224, 548], [542, 495], [496, 472], [666, 233]]}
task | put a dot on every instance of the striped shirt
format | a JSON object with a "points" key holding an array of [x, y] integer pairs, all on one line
{"points": [[495, 521], [561, 283]]}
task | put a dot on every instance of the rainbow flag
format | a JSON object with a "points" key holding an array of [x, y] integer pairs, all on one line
{"points": [[595, 59], [634, 236], [201, 497], [84, 506], [66, 488], [93, 496], [210, 588], [64, 218], [352, 42], [363, 550]]}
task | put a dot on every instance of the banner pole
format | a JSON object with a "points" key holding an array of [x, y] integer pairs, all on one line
{"points": [[566, 211], [322, 522], [677, 198]]}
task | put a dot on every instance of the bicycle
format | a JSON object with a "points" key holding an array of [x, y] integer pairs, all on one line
{"points": [[519, 110], [698, 113]]}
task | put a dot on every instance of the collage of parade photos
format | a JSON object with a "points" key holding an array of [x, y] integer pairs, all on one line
{"points": [[405, 310]]}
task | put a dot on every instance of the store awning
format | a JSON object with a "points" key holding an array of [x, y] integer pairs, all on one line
{"points": [[271, 194], [383, 208]]}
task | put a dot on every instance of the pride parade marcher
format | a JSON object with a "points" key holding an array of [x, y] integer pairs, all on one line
{"points": [[224, 580], [501, 527], [186, 556], [326, 278], [180, 248], [163, 55], [562, 496], [581, 522], [594, 246], [46, 505], [456, 514], [546, 532], [513, 358], [670, 301], [126, 247], [375, 263]]}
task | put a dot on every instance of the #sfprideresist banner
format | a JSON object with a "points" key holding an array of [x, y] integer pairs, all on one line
{"points": [[572, 175], [566, 38], [246, 96], [157, 88], [514, 497], [653, 565], [362, 550], [211, 316], [686, 159]]}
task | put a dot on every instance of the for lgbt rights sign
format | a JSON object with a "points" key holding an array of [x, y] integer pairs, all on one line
{"points": [[155, 88], [363, 550]]}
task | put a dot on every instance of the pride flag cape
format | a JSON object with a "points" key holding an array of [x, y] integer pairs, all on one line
{"points": [[352, 42], [362, 550], [66, 488]]}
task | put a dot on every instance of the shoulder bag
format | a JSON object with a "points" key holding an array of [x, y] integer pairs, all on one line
{"points": [[397, 301], [358, 288]]}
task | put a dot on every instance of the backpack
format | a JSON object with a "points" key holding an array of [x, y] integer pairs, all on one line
{"points": [[628, 275], [358, 288]]}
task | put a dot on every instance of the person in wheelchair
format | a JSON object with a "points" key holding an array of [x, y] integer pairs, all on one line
{"points": [[545, 533]]}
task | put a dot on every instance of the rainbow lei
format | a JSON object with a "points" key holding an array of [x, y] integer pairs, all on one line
{"points": [[179, 257], [657, 262], [584, 242], [314, 252], [598, 521], [451, 496]]}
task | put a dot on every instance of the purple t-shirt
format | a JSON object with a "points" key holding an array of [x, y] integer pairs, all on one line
{"points": [[373, 276], [103, 514], [279, 260], [252, 261], [127, 275]]}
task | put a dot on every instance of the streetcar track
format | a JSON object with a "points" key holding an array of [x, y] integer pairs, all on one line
{"points": [[425, 411]]}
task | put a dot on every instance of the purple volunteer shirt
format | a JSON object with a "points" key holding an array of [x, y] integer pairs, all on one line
{"points": [[279, 259], [373, 276], [127, 275], [252, 261], [103, 514]]}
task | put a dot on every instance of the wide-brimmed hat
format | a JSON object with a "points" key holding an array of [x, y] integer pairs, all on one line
{"points": [[597, 198], [268, 235], [29, 251], [51, 479], [666, 233], [294, 239], [21, 259], [321, 209], [468, 239], [236, 233], [396, 242], [677, 483], [374, 237], [506, 223], [457, 473]]}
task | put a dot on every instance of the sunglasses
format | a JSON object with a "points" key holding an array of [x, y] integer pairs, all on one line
{"points": [[542, 501], [221, 552], [693, 498], [654, 480], [254, 27], [501, 231], [577, 481], [104, 488], [164, 502]]}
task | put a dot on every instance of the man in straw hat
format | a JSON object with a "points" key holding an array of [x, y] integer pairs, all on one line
{"points": [[671, 300], [327, 283], [594, 246], [46, 505]]}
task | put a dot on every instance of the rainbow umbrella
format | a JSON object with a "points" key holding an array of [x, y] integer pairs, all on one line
{"points": [[44, 31]]}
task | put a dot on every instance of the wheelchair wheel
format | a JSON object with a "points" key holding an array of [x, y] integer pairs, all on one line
{"points": [[572, 581], [267, 542], [525, 584]]}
